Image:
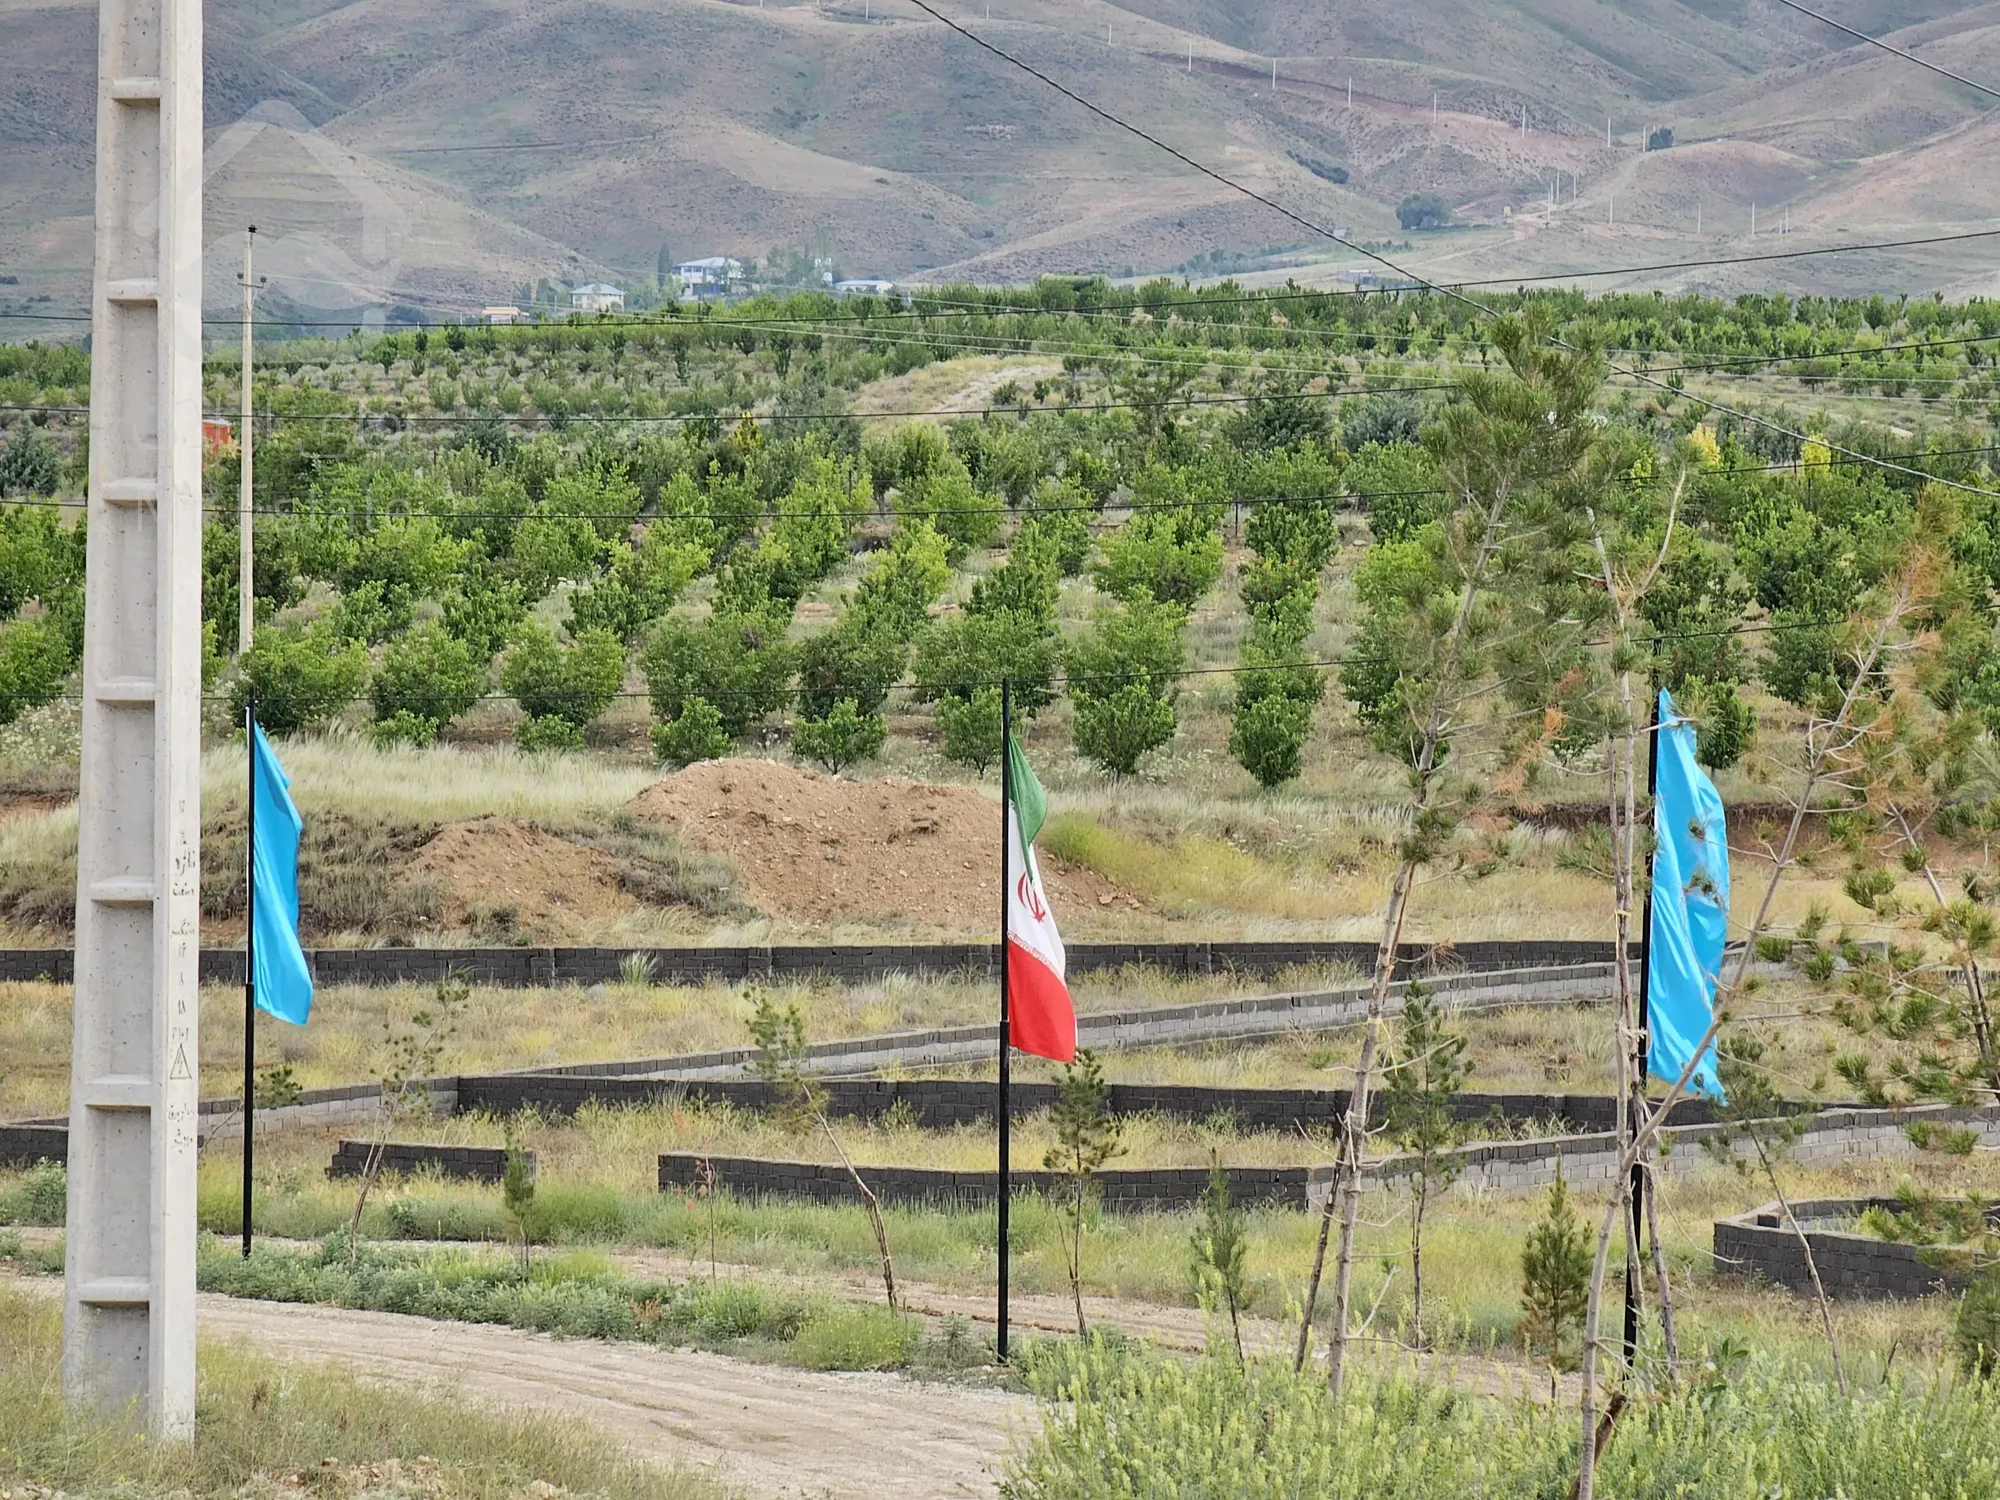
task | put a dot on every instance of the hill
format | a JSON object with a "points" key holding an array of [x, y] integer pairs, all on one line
{"points": [[437, 159]]}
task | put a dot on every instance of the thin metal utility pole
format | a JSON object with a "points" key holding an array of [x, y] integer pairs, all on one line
{"points": [[246, 600], [128, 1300]]}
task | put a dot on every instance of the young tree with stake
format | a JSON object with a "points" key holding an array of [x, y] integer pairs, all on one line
{"points": [[1501, 451], [1842, 720]]}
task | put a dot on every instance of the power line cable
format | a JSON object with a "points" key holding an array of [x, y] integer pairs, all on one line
{"points": [[1300, 219], [1891, 49]]}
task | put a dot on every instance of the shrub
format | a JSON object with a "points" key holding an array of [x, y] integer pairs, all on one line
{"points": [[1060, 514], [857, 1338], [486, 611], [34, 661], [301, 676], [1400, 489], [1173, 555], [845, 735], [1384, 419], [31, 547], [1975, 1327], [739, 661], [640, 585], [29, 464], [549, 734], [1423, 211], [573, 683], [429, 677], [903, 582], [1119, 730], [859, 659], [947, 498], [41, 1196], [1124, 676], [973, 652], [970, 728], [1268, 737], [695, 733]]}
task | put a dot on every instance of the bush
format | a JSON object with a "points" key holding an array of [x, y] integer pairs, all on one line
{"points": [[429, 677], [1269, 734], [1383, 420], [970, 728], [549, 734], [695, 733], [1975, 1327], [844, 736], [1060, 515], [903, 582], [858, 659], [29, 464], [1173, 555], [857, 1338], [947, 498], [1400, 489], [34, 661], [1124, 677], [301, 676], [1423, 211], [41, 1196], [573, 683], [739, 661], [960, 657], [1117, 731]]}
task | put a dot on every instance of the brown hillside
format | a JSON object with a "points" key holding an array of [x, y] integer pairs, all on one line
{"points": [[823, 849]]}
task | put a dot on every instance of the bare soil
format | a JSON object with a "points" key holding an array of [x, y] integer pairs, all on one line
{"points": [[772, 1430], [497, 871], [822, 849]]}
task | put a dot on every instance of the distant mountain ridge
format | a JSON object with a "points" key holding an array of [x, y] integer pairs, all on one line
{"points": [[444, 156]]}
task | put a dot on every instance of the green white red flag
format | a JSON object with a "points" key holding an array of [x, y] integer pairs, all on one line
{"points": [[1041, 1018]]}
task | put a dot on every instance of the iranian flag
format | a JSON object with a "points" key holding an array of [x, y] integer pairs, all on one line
{"points": [[1040, 1017]]}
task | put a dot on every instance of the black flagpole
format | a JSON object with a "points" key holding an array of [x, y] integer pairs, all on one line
{"points": [[1006, 874], [249, 966], [1636, 1081]]}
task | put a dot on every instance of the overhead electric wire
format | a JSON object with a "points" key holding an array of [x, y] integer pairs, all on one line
{"points": [[1340, 239], [1894, 51]]}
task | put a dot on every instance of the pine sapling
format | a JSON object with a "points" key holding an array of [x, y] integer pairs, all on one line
{"points": [[517, 1192], [412, 1055], [1221, 1251], [1087, 1137], [1420, 1113], [782, 1053], [1555, 1278]]}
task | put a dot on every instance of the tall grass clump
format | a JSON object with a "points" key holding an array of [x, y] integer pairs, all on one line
{"points": [[257, 1422], [1121, 1423]]}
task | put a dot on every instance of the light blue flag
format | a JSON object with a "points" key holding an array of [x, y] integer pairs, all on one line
{"points": [[1690, 906], [284, 985]]}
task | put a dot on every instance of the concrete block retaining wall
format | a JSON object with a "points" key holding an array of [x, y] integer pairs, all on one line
{"points": [[528, 967], [938, 1103], [25, 1145], [472, 1163], [1122, 1190], [1243, 1019], [1851, 1266]]}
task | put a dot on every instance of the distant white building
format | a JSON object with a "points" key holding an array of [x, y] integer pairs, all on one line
{"points": [[865, 286], [501, 317], [597, 298], [711, 276]]}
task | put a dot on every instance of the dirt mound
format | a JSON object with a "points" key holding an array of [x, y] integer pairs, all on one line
{"points": [[822, 849], [504, 879]]}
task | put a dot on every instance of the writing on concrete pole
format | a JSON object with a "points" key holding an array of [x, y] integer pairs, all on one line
{"points": [[129, 1309]]}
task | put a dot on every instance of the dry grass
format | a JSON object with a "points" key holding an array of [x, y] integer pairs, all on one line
{"points": [[523, 1028], [597, 1175], [265, 1431]]}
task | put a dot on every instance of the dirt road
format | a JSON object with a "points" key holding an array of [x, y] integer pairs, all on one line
{"points": [[771, 1430]]}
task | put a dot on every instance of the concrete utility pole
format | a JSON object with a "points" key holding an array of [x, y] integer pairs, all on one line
{"points": [[128, 1306], [246, 612], [1607, 132]]}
